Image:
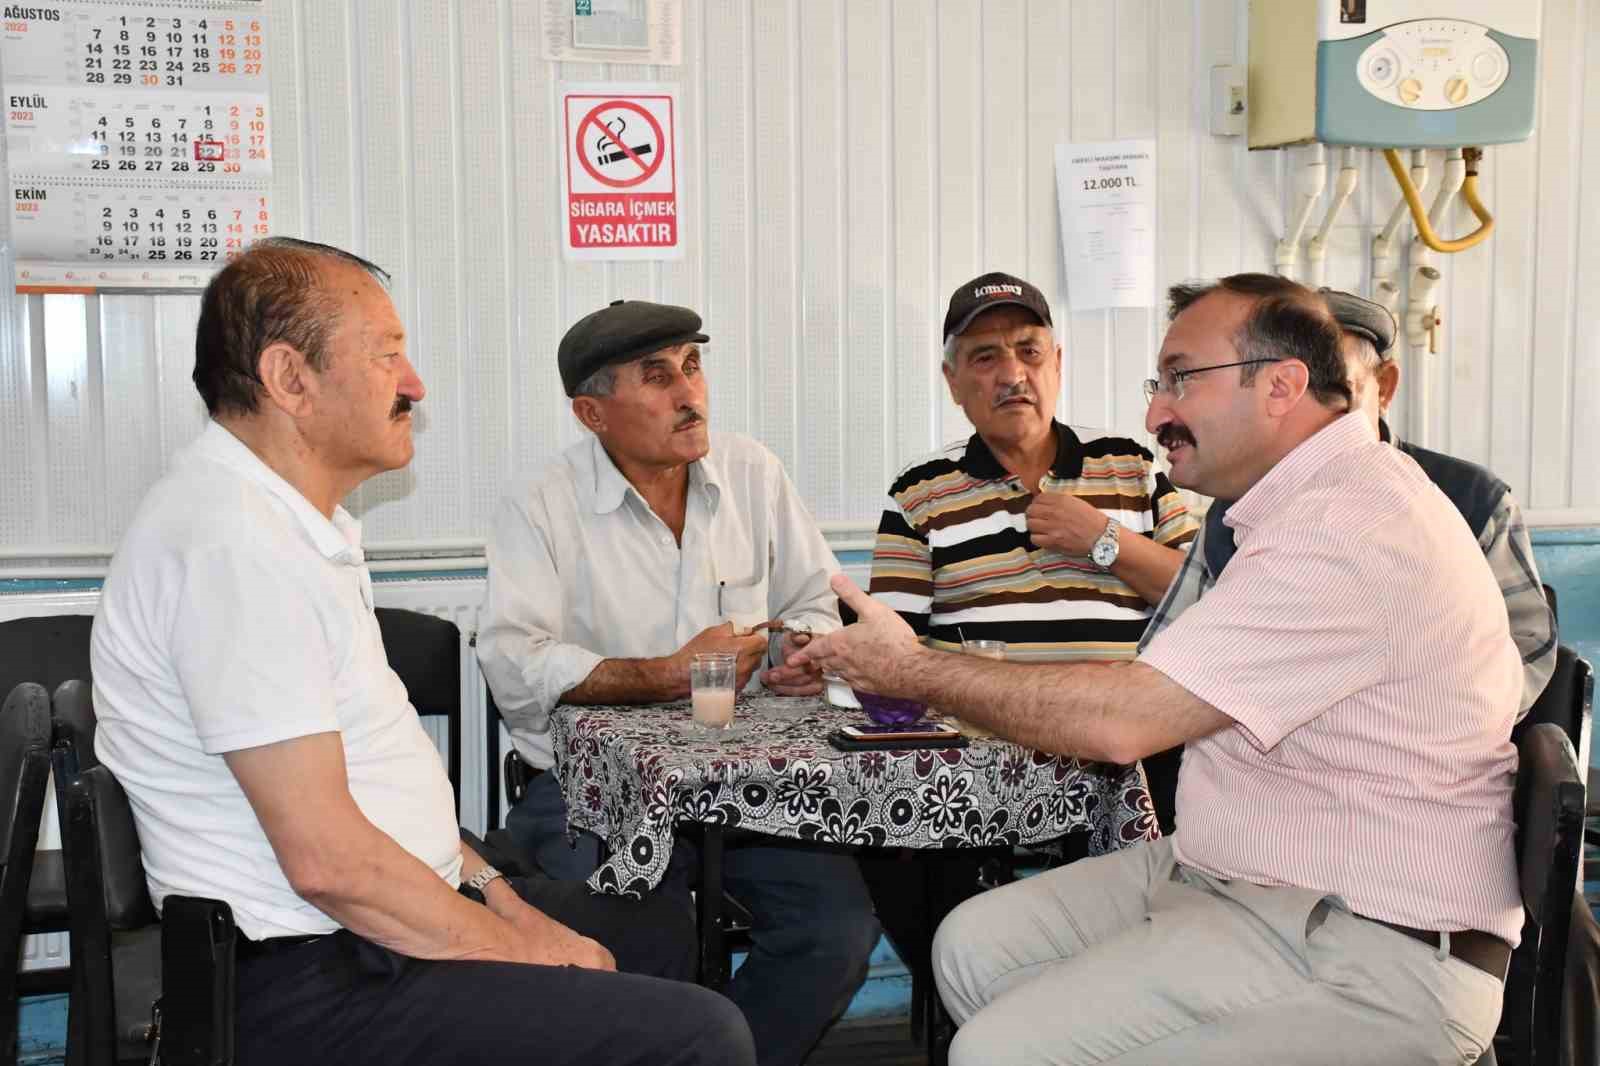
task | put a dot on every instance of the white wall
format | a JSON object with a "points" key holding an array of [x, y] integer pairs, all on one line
{"points": [[845, 166]]}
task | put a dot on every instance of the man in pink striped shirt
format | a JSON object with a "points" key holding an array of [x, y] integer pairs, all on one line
{"points": [[1343, 887]]}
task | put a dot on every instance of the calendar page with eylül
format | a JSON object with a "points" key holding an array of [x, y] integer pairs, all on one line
{"points": [[138, 141]]}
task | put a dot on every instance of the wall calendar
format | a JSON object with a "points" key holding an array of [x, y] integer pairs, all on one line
{"points": [[138, 140]]}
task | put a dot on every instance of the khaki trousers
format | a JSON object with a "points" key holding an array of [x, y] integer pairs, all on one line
{"points": [[1130, 958]]}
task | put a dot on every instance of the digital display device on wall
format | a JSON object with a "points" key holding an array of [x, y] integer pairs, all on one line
{"points": [[138, 141]]}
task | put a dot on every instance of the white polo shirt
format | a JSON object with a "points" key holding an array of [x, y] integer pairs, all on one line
{"points": [[235, 615]]}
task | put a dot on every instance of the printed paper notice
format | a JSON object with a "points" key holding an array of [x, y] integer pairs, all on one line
{"points": [[1107, 192]]}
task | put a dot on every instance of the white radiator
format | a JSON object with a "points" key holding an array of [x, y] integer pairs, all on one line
{"points": [[455, 599]]}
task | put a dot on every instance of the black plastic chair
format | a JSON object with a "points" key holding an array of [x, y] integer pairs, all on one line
{"points": [[46, 650], [1548, 807], [119, 944], [1568, 701], [24, 771], [425, 651]]}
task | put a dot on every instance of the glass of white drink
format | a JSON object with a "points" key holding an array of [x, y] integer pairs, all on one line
{"points": [[985, 649], [711, 679]]}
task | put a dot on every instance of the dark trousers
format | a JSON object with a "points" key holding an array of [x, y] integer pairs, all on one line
{"points": [[344, 1000], [1582, 1045], [814, 928]]}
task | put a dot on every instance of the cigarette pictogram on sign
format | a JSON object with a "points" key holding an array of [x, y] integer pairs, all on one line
{"points": [[618, 144]]}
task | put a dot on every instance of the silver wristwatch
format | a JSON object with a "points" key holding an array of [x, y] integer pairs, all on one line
{"points": [[1104, 551], [480, 880]]}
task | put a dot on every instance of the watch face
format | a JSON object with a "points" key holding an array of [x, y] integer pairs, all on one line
{"points": [[1104, 552]]}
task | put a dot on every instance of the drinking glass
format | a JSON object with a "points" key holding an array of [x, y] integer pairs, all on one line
{"points": [[985, 649], [711, 677]]}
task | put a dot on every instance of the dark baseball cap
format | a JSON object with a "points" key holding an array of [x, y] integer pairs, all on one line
{"points": [[990, 291], [1357, 314], [624, 331]]}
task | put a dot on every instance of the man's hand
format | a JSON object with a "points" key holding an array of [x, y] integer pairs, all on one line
{"points": [[786, 680], [876, 654], [1065, 523], [540, 939], [750, 650]]}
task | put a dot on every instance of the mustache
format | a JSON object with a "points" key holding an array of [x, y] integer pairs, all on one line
{"points": [[690, 417], [1020, 390], [1173, 434], [402, 405]]}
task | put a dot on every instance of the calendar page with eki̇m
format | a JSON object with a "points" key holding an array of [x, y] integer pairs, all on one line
{"points": [[137, 140]]}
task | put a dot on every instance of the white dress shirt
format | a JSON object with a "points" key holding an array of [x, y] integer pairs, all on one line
{"points": [[582, 570], [236, 615]]}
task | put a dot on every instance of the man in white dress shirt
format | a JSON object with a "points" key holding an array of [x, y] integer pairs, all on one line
{"points": [[642, 545]]}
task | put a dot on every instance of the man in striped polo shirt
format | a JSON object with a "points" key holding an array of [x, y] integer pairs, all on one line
{"points": [[1025, 532], [1342, 888]]}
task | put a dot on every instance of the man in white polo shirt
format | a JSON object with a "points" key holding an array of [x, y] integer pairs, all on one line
{"points": [[272, 759], [1342, 887]]}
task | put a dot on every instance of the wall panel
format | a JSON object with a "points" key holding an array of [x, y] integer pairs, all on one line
{"points": [[843, 165]]}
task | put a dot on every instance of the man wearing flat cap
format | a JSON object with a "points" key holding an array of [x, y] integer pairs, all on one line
{"points": [[649, 542], [1486, 502]]}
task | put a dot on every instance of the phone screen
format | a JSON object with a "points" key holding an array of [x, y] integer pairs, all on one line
{"points": [[911, 730]]}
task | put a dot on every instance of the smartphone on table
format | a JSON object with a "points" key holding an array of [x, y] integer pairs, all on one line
{"points": [[911, 735]]}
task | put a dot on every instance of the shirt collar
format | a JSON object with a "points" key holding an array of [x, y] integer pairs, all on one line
{"points": [[1266, 496], [338, 539], [611, 488], [979, 460]]}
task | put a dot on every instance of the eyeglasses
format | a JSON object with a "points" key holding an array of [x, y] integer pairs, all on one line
{"points": [[1171, 381]]}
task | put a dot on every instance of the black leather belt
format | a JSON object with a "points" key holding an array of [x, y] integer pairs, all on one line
{"points": [[245, 948], [1484, 950]]}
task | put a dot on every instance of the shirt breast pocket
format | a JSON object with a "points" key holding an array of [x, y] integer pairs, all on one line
{"points": [[743, 604]]}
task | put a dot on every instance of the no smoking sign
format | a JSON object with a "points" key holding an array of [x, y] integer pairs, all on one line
{"points": [[619, 172]]}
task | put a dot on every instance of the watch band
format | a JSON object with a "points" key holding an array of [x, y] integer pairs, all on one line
{"points": [[480, 880], [1107, 546]]}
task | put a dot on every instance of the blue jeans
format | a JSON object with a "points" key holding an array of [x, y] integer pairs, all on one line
{"points": [[814, 927]]}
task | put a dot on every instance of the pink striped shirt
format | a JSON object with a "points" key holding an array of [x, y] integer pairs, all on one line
{"points": [[1359, 642]]}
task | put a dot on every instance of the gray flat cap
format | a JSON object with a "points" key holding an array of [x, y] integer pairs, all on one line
{"points": [[1359, 315], [625, 331]]}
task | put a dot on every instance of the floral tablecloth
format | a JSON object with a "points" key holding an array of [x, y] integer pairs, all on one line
{"points": [[630, 774]]}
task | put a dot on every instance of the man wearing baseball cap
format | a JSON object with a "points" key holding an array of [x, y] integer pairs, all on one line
{"points": [[1027, 532], [648, 542]]}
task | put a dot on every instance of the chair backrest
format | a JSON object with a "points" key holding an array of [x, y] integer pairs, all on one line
{"points": [[106, 888], [1548, 807], [114, 842], [426, 652], [24, 739], [47, 650], [72, 724], [491, 733], [24, 770], [1567, 701]]}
